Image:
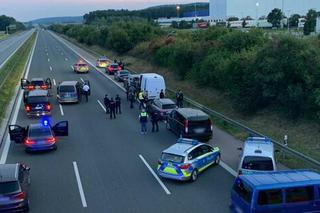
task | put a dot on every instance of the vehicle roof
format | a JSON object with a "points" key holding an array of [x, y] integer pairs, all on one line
{"points": [[150, 75], [290, 178], [8, 172], [70, 83], [37, 79], [181, 148], [103, 58], [166, 101], [191, 113], [38, 92], [252, 144]]}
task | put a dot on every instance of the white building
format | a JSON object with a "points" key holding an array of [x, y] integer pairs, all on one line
{"points": [[222, 9]]}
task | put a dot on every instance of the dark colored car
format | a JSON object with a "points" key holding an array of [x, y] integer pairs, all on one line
{"points": [[38, 137], [35, 83], [162, 106], [36, 103], [14, 183], [190, 123], [121, 75], [112, 68]]}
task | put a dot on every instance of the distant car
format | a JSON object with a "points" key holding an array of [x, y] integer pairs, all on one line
{"points": [[257, 156], [35, 83], [14, 187], [37, 103], [163, 107], [112, 68], [70, 91], [190, 123], [40, 136], [186, 159], [121, 75], [102, 62], [81, 67]]}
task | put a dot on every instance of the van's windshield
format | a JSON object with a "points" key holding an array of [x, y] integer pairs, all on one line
{"points": [[257, 163]]}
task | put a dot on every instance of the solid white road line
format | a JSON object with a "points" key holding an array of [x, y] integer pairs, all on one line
{"points": [[71, 67], [50, 68], [101, 105], [228, 168], [154, 175], [6, 148], [54, 82], [82, 80], [76, 171], [61, 109]]}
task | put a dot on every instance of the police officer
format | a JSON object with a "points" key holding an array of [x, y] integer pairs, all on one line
{"points": [[131, 98], [106, 101], [179, 98], [154, 120], [112, 108], [161, 95], [86, 90], [141, 99], [118, 104], [143, 117]]}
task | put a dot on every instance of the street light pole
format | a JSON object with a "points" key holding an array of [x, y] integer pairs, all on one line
{"points": [[257, 7], [178, 9], [288, 18]]}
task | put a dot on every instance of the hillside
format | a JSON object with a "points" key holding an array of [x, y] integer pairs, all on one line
{"points": [[57, 20]]}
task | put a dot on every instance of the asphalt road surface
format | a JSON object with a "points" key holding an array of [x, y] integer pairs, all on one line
{"points": [[10, 45], [102, 166]]}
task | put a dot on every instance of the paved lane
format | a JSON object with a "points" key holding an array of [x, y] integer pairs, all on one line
{"points": [[106, 154]]}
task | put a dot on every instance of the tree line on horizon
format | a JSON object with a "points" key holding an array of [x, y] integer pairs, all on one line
{"points": [[5, 21]]}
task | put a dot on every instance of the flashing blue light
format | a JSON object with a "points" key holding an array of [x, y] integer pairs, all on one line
{"points": [[45, 121], [188, 141]]}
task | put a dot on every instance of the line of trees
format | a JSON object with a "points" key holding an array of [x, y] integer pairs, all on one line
{"points": [[5, 21]]}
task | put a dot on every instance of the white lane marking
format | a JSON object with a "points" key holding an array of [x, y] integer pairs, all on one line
{"points": [[48, 59], [82, 80], [54, 82], [76, 171], [6, 148], [72, 67], [101, 105], [50, 68], [47, 53], [228, 168], [66, 59], [61, 109], [154, 175]]}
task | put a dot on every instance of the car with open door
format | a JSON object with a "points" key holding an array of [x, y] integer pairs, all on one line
{"points": [[40, 136], [69, 92], [35, 83], [37, 103]]}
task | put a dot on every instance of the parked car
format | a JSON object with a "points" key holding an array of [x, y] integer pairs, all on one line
{"points": [[152, 83], [102, 62], [190, 123], [81, 66], [35, 83], [163, 106], [37, 103], [70, 91], [112, 68], [121, 75]]}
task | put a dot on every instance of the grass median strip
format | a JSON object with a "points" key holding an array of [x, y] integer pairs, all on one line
{"points": [[10, 73]]}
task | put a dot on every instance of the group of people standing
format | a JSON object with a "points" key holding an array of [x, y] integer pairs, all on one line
{"points": [[113, 105]]}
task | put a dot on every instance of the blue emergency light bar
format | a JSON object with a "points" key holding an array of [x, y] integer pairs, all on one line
{"points": [[188, 141]]}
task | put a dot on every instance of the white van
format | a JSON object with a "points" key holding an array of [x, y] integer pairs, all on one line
{"points": [[257, 155], [153, 84]]}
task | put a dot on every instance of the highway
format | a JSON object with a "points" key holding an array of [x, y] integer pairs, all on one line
{"points": [[10, 45], [104, 165]]}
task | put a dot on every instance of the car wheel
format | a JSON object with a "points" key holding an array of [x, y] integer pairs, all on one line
{"points": [[194, 175], [217, 160]]}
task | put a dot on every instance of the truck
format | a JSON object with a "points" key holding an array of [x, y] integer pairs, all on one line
{"points": [[152, 83]]}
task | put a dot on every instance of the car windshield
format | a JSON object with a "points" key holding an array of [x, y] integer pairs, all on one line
{"points": [[103, 60], [40, 132], [66, 88], [124, 73], [172, 158], [37, 83], [9, 187], [168, 106], [37, 99], [257, 163], [82, 65]]}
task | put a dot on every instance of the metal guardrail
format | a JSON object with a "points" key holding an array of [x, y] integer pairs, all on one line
{"points": [[237, 124]]}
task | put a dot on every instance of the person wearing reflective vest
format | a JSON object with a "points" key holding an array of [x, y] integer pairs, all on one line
{"points": [[141, 99], [143, 117]]}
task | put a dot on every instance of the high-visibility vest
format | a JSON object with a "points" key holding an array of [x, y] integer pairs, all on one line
{"points": [[141, 95], [143, 117]]}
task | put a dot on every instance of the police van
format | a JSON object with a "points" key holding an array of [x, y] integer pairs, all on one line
{"points": [[257, 155]]}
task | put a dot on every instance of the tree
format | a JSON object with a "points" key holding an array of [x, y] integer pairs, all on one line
{"points": [[294, 20], [275, 17], [310, 23]]}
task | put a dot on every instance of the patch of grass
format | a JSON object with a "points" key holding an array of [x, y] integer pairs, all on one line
{"points": [[11, 72]]}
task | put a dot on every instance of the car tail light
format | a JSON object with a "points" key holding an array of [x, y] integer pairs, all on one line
{"points": [[48, 107], [119, 68], [185, 166], [43, 86], [51, 140], [28, 141], [19, 196], [27, 108], [30, 87], [186, 126]]}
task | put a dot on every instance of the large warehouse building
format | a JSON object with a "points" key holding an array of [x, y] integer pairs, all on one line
{"points": [[222, 9]]}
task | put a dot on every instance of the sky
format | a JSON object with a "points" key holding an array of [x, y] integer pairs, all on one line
{"points": [[26, 10]]}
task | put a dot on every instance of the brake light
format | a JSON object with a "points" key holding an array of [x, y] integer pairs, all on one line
{"points": [[19, 196], [186, 126], [185, 166], [30, 87], [119, 68], [51, 140], [48, 107], [110, 68], [28, 141], [43, 86], [27, 108]]}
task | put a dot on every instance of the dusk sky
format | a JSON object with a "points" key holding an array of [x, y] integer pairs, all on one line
{"points": [[26, 10]]}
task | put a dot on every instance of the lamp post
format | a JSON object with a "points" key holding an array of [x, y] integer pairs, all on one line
{"points": [[288, 20], [178, 9], [195, 9], [257, 7]]}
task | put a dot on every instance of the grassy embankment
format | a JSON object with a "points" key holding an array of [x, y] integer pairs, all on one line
{"points": [[11, 72]]}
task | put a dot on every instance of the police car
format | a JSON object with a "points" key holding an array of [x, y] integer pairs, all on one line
{"points": [[102, 62], [35, 83], [81, 67], [37, 103], [257, 155], [186, 159]]}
